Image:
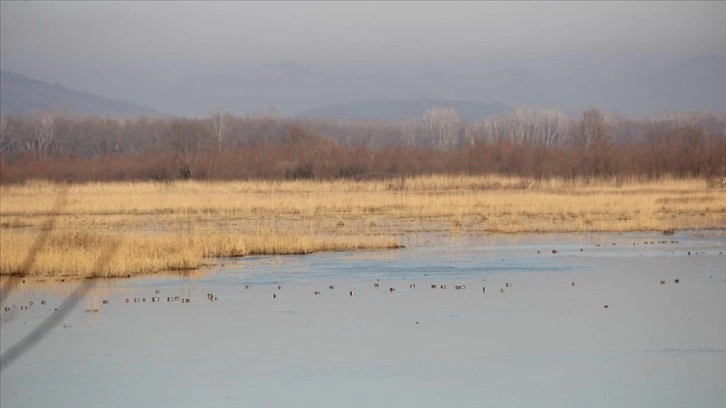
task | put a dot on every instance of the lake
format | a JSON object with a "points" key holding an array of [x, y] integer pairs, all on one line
{"points": [[278, 335]]}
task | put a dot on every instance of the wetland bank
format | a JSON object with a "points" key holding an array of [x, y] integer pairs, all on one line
{"points": [[156, 227]]}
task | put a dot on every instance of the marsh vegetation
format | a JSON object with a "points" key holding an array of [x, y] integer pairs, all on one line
{"points": [[160, 226]]}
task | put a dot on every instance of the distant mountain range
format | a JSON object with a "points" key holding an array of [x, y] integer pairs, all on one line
{"points": [[402, 109], [23, 95], [310, 91]]}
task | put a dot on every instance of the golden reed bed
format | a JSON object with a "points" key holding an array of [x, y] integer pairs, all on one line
{"points": [[123, 229]]}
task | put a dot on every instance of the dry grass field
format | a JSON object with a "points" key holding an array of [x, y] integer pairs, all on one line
{"points": [[62, 230]]}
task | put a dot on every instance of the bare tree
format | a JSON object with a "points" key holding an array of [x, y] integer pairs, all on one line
{"points": [[442, 125], [5, 141], [525, 126], [44, 122], [187, 139], [410, 130], [221, 123], [554, 126], [592, 129]]}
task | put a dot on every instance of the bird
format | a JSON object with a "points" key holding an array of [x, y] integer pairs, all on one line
{"points": [[279, 287], [662, 282], [317, 292], [391, 289], [412, 286], [332, 287], [484, 289], [351, 293], [677, 280], [274, 296], [433, 286], [573, 284], [460, 287], [509, 285], [375, 285], [104, 301]]}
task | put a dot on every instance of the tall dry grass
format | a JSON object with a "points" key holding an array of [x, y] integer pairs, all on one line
{"points": [[173, 226]]}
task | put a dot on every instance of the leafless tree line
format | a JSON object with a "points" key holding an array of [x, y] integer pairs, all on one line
{"points": [[523, 141]]}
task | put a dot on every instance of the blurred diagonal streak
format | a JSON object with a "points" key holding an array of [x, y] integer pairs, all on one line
{"points": [[22, 346], [45, 230]]}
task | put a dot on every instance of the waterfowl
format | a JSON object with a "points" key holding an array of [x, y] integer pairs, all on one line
{"points": [[317, 292], [484, 289], [460, 287], [573, 284], [412, 286], [662, 282], [351, 293], [332, 287], [42, 302], [104, 301], [677, 280], [375, 285], [509, 285], [391, 289]]}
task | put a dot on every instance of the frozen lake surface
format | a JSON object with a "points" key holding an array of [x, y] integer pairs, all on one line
{"points": [[542, 342]]}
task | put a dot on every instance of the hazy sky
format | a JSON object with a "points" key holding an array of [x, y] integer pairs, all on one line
{"points": [[119, 48]]}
